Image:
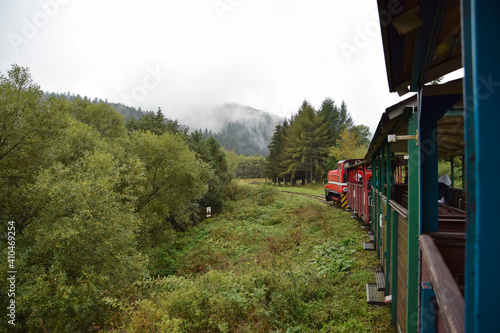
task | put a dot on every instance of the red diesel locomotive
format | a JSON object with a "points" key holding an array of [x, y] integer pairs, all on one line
{"points": [[338, 179]]}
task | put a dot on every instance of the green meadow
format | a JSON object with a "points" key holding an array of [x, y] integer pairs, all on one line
{"points": [[272, 262]]}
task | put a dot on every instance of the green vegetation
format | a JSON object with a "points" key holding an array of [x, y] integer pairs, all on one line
{"points": [[245, 167], [273, 262], [312, 141], [444, 166], [108, 234], [93, 203]]}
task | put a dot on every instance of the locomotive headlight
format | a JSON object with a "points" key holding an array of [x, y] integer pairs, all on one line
{"points": [[345, 189]]}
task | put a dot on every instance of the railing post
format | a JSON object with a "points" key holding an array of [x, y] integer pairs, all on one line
{"points": [[394, 272], [428, 172], [377, 204], [383, 186], [413, 229], [482, 97], [388, 230], [428, 314]]}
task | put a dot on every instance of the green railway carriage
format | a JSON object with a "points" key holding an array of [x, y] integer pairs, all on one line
{"points": [[437, 260]]}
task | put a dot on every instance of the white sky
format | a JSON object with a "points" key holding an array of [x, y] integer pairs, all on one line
{"points": [[267, 54]]}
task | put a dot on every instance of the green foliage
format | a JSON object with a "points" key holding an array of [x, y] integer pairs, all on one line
{"points": [[275, 161], [81, 244], [101, 117], [336, 118], [155, 123], [330, 258], [174, 180], [244, 273], [445, 167], [251, 167], [306, 145], [300, 148], [210, 152], [28, 131], [350, 145], [98, 210], [91, 202], [233, 160], [264, 195]]}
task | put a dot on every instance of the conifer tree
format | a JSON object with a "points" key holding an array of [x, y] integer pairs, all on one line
{"points": [[350, 145], [274, 161], [307, 144]]}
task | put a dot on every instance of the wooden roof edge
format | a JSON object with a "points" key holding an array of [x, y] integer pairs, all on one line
{"points": [[392, 112], [355, 165]]}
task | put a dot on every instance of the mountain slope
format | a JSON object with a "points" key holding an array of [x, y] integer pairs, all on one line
{"points": [[244, 130]]}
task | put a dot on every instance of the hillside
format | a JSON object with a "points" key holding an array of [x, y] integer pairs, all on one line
{"points": [[242, 129]]}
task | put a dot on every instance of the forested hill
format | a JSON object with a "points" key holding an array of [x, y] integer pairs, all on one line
{"points": [[245, 130], [127, 111], [242, 129]]}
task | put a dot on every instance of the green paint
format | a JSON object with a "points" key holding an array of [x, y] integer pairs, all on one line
{"points": [[394, 273], [413, 229], [382, 185], [452, 164], [388, 175]]}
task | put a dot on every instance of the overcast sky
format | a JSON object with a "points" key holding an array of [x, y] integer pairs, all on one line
{"points": [[177, 54]]}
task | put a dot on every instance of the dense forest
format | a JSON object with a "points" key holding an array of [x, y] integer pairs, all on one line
{"points": [[311, 142], [93, 200], [127, 111], [243, 130]]}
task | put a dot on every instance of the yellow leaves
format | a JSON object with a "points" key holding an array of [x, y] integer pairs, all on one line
{"points": [[348, 146]]}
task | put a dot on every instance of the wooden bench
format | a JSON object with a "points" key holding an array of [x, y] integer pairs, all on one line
{"points": [[451, 219]]}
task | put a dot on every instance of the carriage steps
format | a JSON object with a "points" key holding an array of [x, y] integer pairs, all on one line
{"points": [[380, 277], [370, 246], [375, 292], [373, 295]]}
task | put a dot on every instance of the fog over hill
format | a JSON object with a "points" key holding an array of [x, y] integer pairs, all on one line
{"points": [[218, 117], [245, 130], [242, 129]]}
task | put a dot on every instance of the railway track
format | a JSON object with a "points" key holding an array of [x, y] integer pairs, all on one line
{"points": [[319, 198]]}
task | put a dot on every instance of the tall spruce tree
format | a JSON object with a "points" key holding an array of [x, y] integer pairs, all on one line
{"points": [[307, 144], [274, 161]]}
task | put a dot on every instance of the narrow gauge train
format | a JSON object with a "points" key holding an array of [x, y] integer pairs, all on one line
{"points": [[338, 179], [391, 206], [439, 264]]}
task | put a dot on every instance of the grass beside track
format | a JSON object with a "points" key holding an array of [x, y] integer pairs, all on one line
{"points": [[272, 262], [315, 189]]}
